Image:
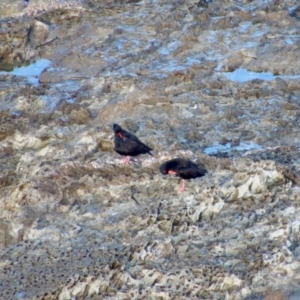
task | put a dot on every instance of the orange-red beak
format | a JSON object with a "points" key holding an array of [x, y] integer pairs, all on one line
{"points": [[171, 172]]}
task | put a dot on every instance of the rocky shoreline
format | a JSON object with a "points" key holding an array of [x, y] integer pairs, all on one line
{"points": [[76, 223]]}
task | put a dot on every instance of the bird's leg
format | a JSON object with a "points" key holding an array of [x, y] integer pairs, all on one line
{"points": [[181, 189], [126, 160]]}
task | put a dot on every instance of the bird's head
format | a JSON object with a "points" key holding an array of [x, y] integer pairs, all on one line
{"points": [[163, 169], [117, 128], [168, 168]]}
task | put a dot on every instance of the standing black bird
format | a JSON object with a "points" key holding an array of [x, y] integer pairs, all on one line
{"points": [[185, 169], [128, 144]]}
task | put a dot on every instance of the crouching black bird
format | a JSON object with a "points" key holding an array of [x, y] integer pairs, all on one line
{"points": [[128, 144], [185, 169]]}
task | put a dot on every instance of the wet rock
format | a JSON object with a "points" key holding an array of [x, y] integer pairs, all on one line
{"points": [[276, 295], [13, 53], [6, 130], [233, 62], [230, 282], [7, 236], [38, 33], [28, 216], [106, 145], [7, 178], [80, 116], [106, 88], [131, 126]]}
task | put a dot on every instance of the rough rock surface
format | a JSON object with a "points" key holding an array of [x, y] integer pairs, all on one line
{"points": [[76, 223]]}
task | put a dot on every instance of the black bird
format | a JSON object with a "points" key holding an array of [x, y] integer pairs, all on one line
{"points": [[185, 169], [128, 144]]}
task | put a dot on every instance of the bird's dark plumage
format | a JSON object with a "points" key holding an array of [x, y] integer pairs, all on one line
{"points": [[185, 169], [127, 143]]}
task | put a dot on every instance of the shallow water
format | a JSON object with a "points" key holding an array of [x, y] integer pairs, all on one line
{"points": [[227, 147], [31, 72], [242, 75]]}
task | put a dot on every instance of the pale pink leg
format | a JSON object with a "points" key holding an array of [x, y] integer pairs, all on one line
{"points": [[181, 189], [126, 160]]}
